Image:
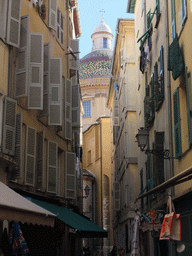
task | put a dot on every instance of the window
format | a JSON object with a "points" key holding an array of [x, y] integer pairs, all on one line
{"points": [[173, 23], [60, 27], [87, 108], [104, 42]]}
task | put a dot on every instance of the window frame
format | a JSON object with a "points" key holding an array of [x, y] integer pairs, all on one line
{"points": [[87, 113]]}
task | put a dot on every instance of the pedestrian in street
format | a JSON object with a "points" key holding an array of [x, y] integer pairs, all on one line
{"points": [[114, 251]]}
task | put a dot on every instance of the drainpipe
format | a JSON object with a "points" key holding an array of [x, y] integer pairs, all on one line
{"points": [[169, 105], [101, 183]]}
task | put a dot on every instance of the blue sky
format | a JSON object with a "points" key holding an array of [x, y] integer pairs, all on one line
{"points": [[90, 17]]}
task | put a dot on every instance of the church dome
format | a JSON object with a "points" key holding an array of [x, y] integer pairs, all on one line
{"points": [[102, 27], [96, 64]]}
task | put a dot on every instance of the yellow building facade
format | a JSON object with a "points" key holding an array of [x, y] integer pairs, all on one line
{"points": [[122, 102], [40, 102]]}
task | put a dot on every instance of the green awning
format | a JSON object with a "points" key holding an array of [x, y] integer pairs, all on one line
{"points": [[84, 227]]}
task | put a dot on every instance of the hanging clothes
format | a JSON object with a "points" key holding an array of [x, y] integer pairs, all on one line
{"points": [[175, 59], [17, 241]]}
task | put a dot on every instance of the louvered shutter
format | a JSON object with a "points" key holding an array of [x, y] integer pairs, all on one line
{"points": [[115, 113], [75, 106], [53, 14], [9, 126], [21, 80], [116, 189], [35, 90], [68, 109], [52, 167], [3, 19], [70, 175], [177, 124], [13, 22], [60, 24], [74, 58], [55, 92], [40, 159], [189, 105], [30, 156], [46, 79], [18, 146]]}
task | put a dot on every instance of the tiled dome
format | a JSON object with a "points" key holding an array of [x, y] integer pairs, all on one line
{"points": [[96, 64], [102, 27]]}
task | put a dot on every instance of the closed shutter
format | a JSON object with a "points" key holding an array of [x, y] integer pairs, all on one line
{"points": [[159, 164], [74, 57], [177, 124], [141, 186], [18, 146], [13, 22], [189, 105], [116, 189], [53, 14], [173, 20], [3, 19], [55, 92], [68, 109], [70, 175], [40, 160], [115, 113], [21, 81], [76, 106], [9, 126], [30, 156], [35, 89], [46, 79], [52, 167]]}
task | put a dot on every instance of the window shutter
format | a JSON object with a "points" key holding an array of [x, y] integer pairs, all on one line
{"points": [[70, 175], [141, 186], [9, 126], [30, 156], [13, 22], [115, 113], [52, 167], [173, 20], [55, 92], [74, 57], [18, 146], [53, 14], [35, 90], [76, 106], [189, 106], [162, 71], [22, 60], [116, 187], [40, 160], [177, 124], [68, 110], [3, 19], [46, 79]]}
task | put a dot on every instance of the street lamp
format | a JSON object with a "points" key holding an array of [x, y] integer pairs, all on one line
{"points": [[86, 189], [143, 142]]}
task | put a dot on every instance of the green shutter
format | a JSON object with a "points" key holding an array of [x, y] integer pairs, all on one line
{"points": [[188, 94], [159, 145], [184, 11], [141, 186], [158, 14], [173, 20], [149, 19], [153, 97], [177, 124]]}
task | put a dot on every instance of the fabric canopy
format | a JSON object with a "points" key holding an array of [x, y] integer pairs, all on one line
{"points": [[84, 228], [14, 207]]}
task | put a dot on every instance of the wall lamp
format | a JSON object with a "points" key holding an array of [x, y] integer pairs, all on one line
{"points": [[87, 190], [143, 142]]}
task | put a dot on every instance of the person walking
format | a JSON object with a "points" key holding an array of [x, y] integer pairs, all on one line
{"points": [[114, 251]]}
